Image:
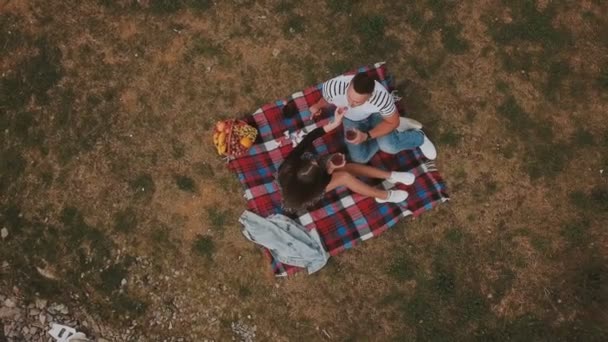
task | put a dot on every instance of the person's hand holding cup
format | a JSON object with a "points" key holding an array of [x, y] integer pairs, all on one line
{"points": [[335, 162], [355, 136]]}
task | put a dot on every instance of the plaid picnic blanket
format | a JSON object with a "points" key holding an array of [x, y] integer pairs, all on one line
{"points": [[342, 218]]}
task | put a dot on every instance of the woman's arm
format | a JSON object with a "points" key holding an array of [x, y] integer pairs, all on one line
{"points": [[337, 121], [316, 108], [306, 143], [318, 132]]}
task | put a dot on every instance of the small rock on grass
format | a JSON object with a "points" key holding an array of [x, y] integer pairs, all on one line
{"points": [[41, 303], [8, 312], [9, 303]]}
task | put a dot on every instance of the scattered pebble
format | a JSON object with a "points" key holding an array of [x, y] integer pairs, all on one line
{"points": [[23, 321], [243, 331], [9, 303], [4, 233], [41, 303]]}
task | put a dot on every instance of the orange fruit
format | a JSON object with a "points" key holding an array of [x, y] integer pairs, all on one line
{"points": [[246, 142]]}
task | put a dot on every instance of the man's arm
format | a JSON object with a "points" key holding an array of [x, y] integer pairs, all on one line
{"points": [[385, 103], [388, 124]]}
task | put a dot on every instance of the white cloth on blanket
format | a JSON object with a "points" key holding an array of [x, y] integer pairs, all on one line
{"points": [[288, 242], [295, 138]]}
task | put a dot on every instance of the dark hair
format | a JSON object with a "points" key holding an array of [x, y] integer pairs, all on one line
{"points": [[309, 172], [301, 187], [363, 84], [290, 109]]}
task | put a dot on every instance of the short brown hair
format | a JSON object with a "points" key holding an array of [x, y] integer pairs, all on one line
{"points": [[363, 83]]}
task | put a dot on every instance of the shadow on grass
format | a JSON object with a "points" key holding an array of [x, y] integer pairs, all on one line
{"points": [[185, 183], [519, 40], [65, 259], [163, 7], [593, 202], [442, 20], [544, 158], [447, 302], [125, 221], [204, 247], [143, 186], [12, 166], [217, 217]]}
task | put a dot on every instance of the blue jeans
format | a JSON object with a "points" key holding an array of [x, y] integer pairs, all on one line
{"points": [[391, 143]]}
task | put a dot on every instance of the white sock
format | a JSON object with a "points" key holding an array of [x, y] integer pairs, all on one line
{"points": [[406, 178]]}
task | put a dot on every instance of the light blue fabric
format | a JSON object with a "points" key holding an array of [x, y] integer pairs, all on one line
{"points": [[288, 242], [392, 143]]}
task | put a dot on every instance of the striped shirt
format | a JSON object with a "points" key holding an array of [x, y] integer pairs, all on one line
{"points": [[381, 101]]}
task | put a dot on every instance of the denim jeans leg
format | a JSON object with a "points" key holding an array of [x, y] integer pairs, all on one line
{"points": [[363, 152], [396, 142]]}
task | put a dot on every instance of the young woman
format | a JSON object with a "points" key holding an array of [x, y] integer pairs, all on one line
{"points": [[304, 178]]}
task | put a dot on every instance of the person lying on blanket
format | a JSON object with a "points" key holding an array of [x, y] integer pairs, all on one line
{"points": [[303, 178], [372, 118]]}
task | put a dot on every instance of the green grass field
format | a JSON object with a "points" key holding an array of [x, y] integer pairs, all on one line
{"points": [[107, 171]]}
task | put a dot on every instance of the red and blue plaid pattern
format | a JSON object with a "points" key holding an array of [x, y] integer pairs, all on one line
{"points": [[342, 218]]}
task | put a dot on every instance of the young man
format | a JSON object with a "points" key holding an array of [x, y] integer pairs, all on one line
{"points": [[372, 115]]}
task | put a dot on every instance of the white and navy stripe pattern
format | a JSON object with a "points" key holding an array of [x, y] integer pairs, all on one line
{"points": [[381, 98], [334, 87], [384, 101]]}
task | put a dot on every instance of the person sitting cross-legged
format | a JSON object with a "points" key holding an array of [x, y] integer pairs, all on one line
{"points": [[371, 121]]}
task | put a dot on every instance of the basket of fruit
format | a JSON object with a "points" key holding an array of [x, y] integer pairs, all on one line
{"points": [[232, 138]]}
